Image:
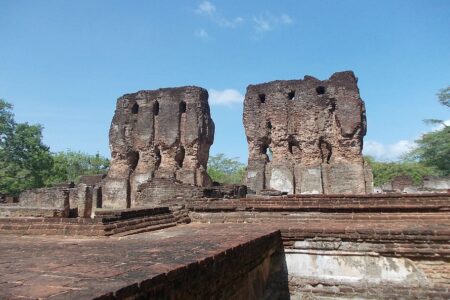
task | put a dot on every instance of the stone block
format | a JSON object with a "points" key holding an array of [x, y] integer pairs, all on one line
{"points": [[308, 179], [344, 178], [280, 177], [55, 197], [255, 176]]}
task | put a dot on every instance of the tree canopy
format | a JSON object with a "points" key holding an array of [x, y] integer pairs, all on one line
{"points": [[25, 161], [226, 170], [68, 166], [433, 148], [385, 171], [431, 156], [444, 99]]}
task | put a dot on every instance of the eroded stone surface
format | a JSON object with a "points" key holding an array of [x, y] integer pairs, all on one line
{"points": [[186, 262], [163, 133], [306, 136]]}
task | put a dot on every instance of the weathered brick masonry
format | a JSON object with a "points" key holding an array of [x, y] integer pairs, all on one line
{"points": [[306, 136], [186, 262], [341, 235], [163, 133], [105, 223]]}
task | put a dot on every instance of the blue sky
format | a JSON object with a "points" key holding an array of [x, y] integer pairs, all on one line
{"points": [[63, 64]]}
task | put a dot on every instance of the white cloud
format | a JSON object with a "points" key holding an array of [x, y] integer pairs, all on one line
{"points": [[226, 97], [233, 23], [267, 22], [285, 19], [441, 126], [206, 8], [392, 152], [261, 24], [201, 33], [387, 152]]}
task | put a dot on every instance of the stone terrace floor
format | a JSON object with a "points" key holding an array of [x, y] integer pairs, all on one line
{"points": [[78, 268]]}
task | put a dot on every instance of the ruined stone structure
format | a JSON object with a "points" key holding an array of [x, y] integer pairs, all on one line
{"points": [[306, 136], [163, 133], [405, 184]]}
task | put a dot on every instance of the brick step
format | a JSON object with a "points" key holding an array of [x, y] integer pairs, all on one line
{"points": [[109, 215], [139, 225], [105, 224], [145, 229]]}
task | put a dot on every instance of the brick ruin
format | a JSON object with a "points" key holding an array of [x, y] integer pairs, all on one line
{"points": [[306, 136], [405, 184], [160, 134], [168, 233]]}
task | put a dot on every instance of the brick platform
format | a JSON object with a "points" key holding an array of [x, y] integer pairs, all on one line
{"points": [[330, 203], [185, 262], [222, 257], [394, 224], [105, 223]]}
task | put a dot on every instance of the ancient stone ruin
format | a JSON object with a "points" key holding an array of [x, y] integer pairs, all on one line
{"points": [[306, 136], [168, 234], [159, 134]]}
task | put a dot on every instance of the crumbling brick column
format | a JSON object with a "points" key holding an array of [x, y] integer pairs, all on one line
{"points": [[306, 136], [163, 133]]}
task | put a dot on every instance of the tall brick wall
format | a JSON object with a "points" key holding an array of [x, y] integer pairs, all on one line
{"points": [[306, 136], [163, 133]]}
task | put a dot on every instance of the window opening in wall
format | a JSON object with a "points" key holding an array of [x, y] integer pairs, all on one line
{"points": [[291, 95], [291, 144], [320, 90], [157, 157], [267, 151], [156, 108], [135, 108], [269, 125], [332, 106], [179, 156], [182, 107], [133, 159], [325, 151], [262, 98]]}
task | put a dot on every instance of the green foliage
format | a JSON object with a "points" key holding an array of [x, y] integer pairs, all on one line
{"points": [[25, 161], [385, 171], [226, 170], [444, 96], [70, 165], [444, 99], [433, 150]]}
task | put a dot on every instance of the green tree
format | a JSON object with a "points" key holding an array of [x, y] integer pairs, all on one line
{"points": [[433, 148], [25, 162], [226, 170], [70, 165], [385, 171], [444, 99]]}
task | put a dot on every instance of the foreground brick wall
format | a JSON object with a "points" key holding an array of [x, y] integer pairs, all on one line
{"points": [[340, 244], [183, 262], [329, 203]]}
